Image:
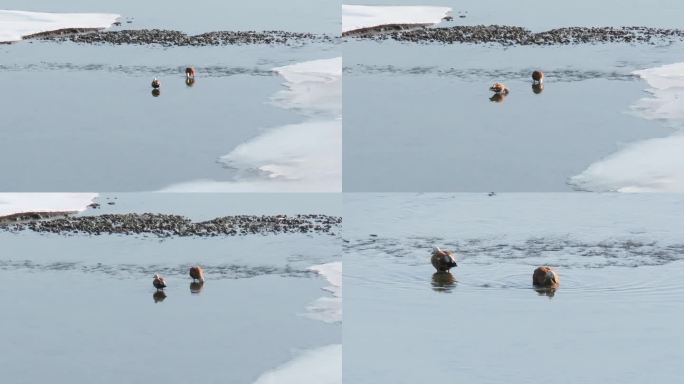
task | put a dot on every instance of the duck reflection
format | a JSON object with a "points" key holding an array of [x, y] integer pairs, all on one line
{"points": [[546, 291], [537, 88], [156, 92], [498, 98], [159, 296], [196, 287], [189, 81], [443, 282]]}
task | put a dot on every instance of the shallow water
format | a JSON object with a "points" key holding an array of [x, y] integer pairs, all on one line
{"points": [[83, 307], [614, 316], [100, 128], [418, 116]]}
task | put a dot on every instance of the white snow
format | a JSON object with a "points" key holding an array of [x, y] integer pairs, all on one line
{"points": [[16, 24], [355, 17], [14, 203], [654, 165], [318, 366], [303, 157], [328, 309]]}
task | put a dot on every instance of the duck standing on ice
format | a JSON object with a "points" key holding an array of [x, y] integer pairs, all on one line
{"points": [[442, 259]]}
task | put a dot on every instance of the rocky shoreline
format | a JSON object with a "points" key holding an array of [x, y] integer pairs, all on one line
{"points": [[170, 38], [511, 35], [163, 225]]}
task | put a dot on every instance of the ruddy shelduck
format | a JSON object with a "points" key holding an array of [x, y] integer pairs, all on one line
{"points": [[443, 260], [197, 273], [159, 282], [499, 89], [545, 277]]}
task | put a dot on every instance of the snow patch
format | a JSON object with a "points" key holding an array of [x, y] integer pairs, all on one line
{"points": [[654, 165], [18, 203], [304, 157], [328, 309], [358, 17], [14, 25], [319, 366]]}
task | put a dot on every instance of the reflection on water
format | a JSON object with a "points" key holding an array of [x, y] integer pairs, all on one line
{"points": [[443, 282], [189, 81], [159, 296], [156, 92], [498, 98], [542, 291], [196, 287], [537, 88]]}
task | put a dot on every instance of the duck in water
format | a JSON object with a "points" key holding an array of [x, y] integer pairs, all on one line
{"points": [[442, 259], [537, 77], [156, 83], [190, 72], [499, 89], [159, 282], [545, 277], [197, 273]]}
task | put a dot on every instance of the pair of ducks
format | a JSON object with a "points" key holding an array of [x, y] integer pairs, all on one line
{"points": [[196, 272], [189, 78], [544, 277], [537, 81]]}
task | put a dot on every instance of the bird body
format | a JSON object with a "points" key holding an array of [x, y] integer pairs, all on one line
{"points": [[546, 277], [190, 72], [156, 83], [499, 88], [442, 260], [197, 273], [537, 77], [159, 282]]}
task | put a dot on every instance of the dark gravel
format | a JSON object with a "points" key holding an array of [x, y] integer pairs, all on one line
{"points": [[169, 38], [162, 225], [510, 35]]}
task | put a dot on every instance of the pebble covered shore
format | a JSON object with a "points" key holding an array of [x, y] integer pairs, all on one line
{"points": [[170, 38], [164, 225], [511, 35]]}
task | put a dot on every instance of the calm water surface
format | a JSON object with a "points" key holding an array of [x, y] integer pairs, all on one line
{"points": [[614, 317], [84, 309]]}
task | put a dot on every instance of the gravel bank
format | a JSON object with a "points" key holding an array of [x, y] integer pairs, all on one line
{"points": [[162, 225], [511, 35]]}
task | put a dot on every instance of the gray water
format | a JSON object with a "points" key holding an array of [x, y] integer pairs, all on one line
{"points": [[615, 316], [84, 310]]}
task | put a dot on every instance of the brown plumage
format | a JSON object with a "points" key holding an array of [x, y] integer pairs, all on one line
{"points": [[190, 72], [442, 260], [538, 77], [545, 276], [156, 83], [159, 282], [197, 273], [499, 88]]}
